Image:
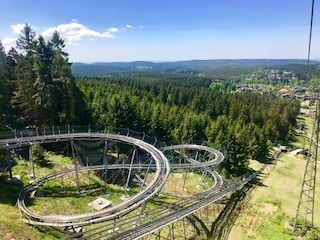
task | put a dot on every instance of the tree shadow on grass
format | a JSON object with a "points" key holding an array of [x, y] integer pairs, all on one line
{"points": [[54, 232], [258, 181], [9, 189], [221, 227]]}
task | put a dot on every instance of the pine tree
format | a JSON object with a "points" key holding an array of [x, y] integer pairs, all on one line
{"points": [[26, 42], [45, 93], [3, 84]]}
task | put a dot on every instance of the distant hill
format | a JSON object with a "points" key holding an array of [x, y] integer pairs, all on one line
{"points": [[105, 68]]}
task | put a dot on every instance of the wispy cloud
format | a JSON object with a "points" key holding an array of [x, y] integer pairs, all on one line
{"points": [[127, 26], [113, 30], [17, 28], [8, 43], [72, 32]]}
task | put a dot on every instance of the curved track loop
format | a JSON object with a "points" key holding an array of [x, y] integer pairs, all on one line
{"points": [[122, 226], [153, 188], [217, 156]]}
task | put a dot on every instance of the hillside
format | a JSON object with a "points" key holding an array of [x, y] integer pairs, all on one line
{"points": [[270, 206], [193, 66]]}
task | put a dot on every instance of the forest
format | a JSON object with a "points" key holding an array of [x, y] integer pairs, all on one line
{"points": [[38, 89]]}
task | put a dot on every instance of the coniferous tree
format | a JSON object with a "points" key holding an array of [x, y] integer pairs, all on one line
{"points": [[26, 42], [3, 84], [11, 63], [11, 84], [24, 108], [23, 96], [45, 92], [43, 97], [244, 124]]}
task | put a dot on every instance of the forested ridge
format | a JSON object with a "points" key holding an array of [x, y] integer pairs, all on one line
{"points": [[191, 66], [38, 89], [245, 125]]}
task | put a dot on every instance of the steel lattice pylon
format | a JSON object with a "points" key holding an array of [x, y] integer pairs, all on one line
{"points": [[305, 211]]}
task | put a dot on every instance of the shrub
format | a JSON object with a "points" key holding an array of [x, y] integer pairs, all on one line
{"points": [[38, 154]]}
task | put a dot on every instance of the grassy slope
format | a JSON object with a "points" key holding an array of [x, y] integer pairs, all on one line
{"points": [[266, 216], [11, 226], [273, 204]]}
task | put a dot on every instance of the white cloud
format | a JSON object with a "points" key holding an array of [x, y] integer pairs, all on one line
{"points": [[113, 30], [17, 28], [74, 32], [8, 43], [8, 40]]}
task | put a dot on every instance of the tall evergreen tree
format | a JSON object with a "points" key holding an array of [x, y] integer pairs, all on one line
{"points": [[45, 93], [58, 44], [44, 88], [69, 100], [11, 63], [26, 42], [3, 84], [24, 107]]}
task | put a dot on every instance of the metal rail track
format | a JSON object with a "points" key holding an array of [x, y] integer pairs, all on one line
{"points": [[154, 187], [116, 223]]}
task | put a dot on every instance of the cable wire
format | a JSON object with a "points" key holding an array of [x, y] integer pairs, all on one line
{"points": [[310, 34]]}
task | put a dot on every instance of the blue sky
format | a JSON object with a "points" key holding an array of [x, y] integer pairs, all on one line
{"points": [[168, 30]]}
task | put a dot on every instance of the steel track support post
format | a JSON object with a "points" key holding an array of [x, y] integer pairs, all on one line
{"points": [[75, 166], [181, 158], [114, 224], [129, 173], [31, 161], [185, 179], [204, 174], [118, 151], [207, 214], [105, 164], [142, 208], [146, 175], [138, 158], [143, 136], [9, 161], [62, 181], [87, 164], [196, 157]]}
